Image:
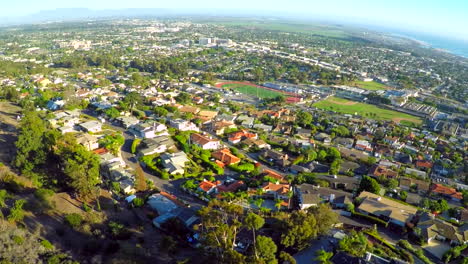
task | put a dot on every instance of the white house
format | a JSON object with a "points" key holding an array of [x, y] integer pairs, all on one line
{"points": [[205, 142], [91, 126], [148, 130], [183, 125]]}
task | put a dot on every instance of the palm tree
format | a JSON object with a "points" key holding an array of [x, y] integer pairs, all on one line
{"points": [[323, 257]]}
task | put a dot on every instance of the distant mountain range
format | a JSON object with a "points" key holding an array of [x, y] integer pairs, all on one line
{"points": [[71, 14]]}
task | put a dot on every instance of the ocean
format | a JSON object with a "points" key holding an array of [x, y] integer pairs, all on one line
{"points": [[454, 46]]}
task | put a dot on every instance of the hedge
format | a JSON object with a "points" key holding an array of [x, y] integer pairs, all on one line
{"points": [[371, 218]]}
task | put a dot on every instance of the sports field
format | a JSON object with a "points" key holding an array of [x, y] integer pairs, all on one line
{"points": [[367, 110], [372, 86], [251, 89]]}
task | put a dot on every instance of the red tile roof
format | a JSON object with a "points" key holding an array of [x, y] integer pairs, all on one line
{"points": [[424, 164], [444, 190], [225, 156]]}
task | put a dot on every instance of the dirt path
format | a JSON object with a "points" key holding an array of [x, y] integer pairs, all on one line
{"points": [[8, 130], [341, 103], [399, 119]]}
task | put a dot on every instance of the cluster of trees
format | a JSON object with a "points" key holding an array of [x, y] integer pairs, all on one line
{"points": [[52, 159], [221, 222]]}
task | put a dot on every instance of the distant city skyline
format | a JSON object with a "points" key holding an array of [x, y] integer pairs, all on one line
{"points": [[445, 18]]}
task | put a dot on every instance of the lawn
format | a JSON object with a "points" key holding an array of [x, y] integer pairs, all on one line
{"points": [[366, 110], [372, 86], [252, 90]]}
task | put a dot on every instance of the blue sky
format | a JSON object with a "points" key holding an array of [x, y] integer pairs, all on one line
{"points": [[443, 17]]}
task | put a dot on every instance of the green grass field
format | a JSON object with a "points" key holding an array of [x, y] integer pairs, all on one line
{"points": [[366, 110], [372, 86], [294, 27], [252, 90]]}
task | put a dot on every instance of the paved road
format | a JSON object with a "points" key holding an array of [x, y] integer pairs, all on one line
{"points": [[172, 187]]}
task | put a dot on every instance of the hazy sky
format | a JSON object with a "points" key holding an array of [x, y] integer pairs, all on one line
{"points": [[445, 17]]}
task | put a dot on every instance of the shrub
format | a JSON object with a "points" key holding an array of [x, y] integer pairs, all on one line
{"points": [[74, 220], [46, 244], [19, 240], [135, 144], [370, 218], [138, 202]]}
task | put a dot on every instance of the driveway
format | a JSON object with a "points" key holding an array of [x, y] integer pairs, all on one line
{"points": [[437, 248]]}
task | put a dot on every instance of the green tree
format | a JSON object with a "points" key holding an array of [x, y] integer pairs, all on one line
{"points": [[323, 257], [30, 146], [304, 118], [132, 99], [112, 112], [392, 184], [286, 258], [254, 222], [74, 220], [355, 244], [266, 249], [183, 98], [160, 111], [82, 168], [220, 223], [403, 195], [369, 184], [298, 230]]}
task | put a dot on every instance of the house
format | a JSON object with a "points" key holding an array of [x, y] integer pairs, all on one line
{"points": [[447, 192], [205, 142], [442, 231], [90, 142], [344, 142], [207, 115], [174, 163], [382, 171], [421, 186], [415, 172], [225, 156], [250, 142], [391, 140], [148, 130], [263, 127], [168, 207], [237, 136], [388, 210], [91, 126], [325, 138], [298, 169], [230, 186], [189, 109], [184, 215], [276, 157], [127, 121], [54, 105], [276, 191], [245, 121], [283, 129], [344, 183], [309, 195], [424, 165], [363, 145], [208, 187], [305, 133], [183, 125], [158, 144], [273, 175], [218, 127]]}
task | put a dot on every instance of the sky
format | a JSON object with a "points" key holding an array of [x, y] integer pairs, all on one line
{"points": [[443, 17]]}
